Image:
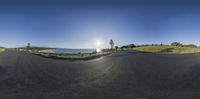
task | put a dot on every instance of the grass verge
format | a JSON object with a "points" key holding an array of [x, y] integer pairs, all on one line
{"points": [[185, 50], [167, 49], [152, 49], [69, 57]]}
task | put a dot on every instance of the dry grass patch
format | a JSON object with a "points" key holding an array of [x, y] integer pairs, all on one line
{"points": [[168, 49], [2, 49]]}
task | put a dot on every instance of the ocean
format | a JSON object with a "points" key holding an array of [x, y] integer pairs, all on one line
{"points": [[72, 51]]}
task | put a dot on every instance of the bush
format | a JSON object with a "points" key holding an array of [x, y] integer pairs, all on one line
{"points": [[129, 46], [176, 44]]}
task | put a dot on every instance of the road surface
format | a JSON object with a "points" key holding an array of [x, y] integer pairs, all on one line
{"points": [[123, 75]]}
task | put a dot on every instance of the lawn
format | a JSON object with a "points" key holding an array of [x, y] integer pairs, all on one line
{"points": [[167, 49], [152, 49]]}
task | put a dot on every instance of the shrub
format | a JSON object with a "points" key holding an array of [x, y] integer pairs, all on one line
{"points": [[176, 44], [129, 46]]}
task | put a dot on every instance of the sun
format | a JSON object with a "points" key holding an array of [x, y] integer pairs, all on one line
{"points": [[98, 43]]}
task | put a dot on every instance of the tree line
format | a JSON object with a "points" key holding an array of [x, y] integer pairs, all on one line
{"points": [[178, 44], [182, 45]]}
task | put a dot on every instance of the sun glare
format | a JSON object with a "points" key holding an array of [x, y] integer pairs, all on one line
{"points": [[98, 43], [98, 50]]}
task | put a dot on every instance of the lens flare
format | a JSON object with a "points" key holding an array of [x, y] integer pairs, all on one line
{"points": [[98, 50]]}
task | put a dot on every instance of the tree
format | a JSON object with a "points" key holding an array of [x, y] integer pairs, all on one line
{"points": [[116, 47], [28, 45], [131, 46], [176, 44], [161, 44], [111, 44]]}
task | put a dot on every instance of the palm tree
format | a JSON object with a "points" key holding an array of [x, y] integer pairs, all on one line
{"points": [[111, 44]]}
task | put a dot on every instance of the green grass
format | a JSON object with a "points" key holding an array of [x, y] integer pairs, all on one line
{"points": [[69, 57], [152, 49], [167, 49]]}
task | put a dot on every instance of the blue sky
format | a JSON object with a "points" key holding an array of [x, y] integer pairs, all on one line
{"points": [[78, 24]]}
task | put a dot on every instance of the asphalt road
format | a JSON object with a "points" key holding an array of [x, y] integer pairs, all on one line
{"points": [[123, 75]]}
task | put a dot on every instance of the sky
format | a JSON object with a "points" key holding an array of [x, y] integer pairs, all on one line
{"points": [[92, 23]]}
